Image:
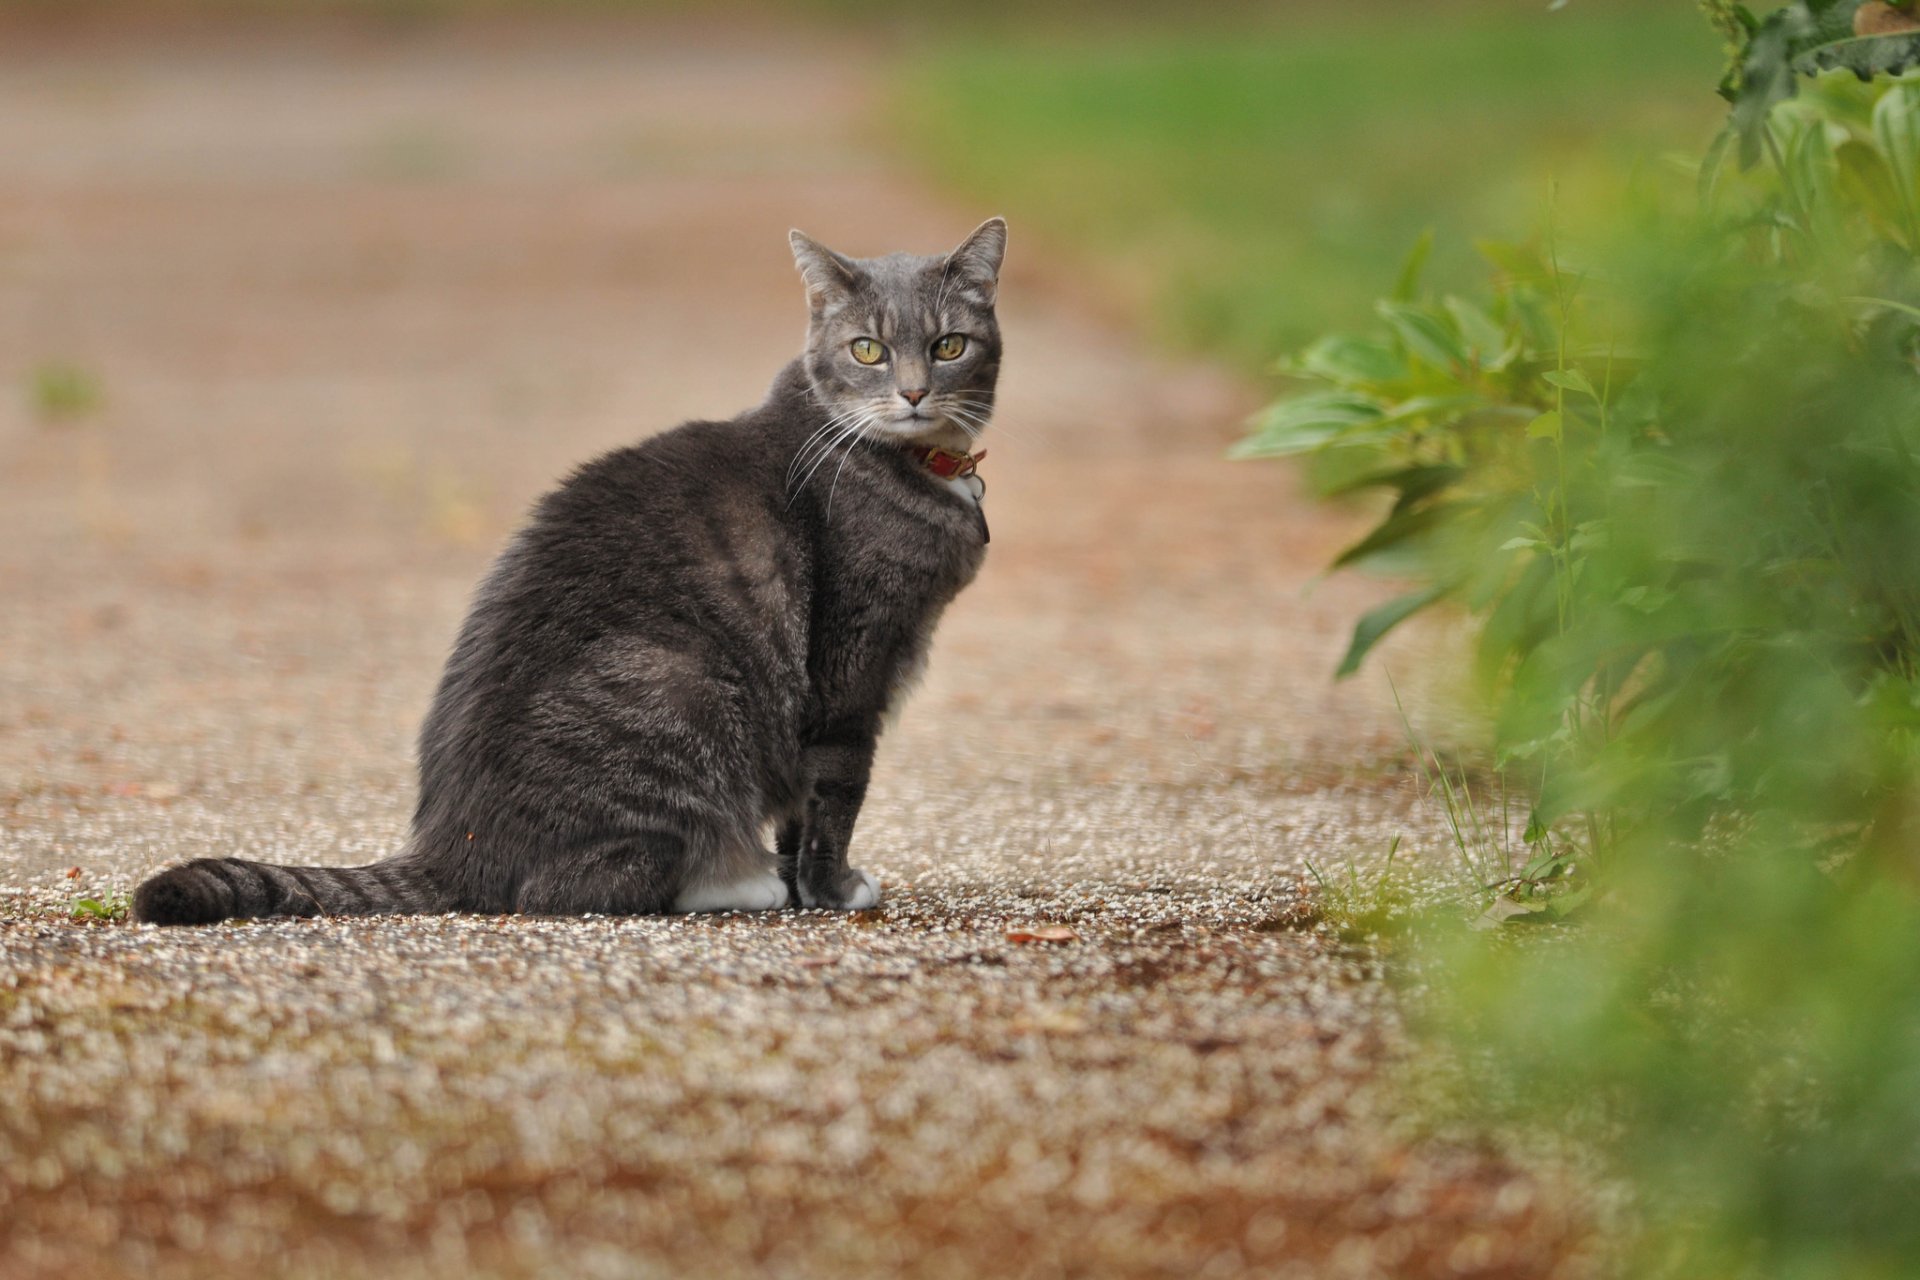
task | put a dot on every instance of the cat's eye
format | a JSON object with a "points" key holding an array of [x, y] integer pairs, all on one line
{"points": [[867, 351], [950, 347]]}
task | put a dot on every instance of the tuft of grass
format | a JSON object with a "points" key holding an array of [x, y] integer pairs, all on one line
{"points": [[108, 908], [60, 392], [1537, 877], [1362, 905]]}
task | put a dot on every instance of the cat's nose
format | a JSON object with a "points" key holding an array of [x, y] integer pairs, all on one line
{"points": [[914, 397]]}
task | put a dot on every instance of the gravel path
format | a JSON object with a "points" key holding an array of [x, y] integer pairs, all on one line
{"points": [[351, 304]]}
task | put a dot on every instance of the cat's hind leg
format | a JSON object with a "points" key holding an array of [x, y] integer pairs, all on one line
{"points": [[738, 875], [764, 891], [630, 875]]}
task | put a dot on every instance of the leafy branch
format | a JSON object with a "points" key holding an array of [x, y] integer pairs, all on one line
{"points": [[1867, 37]]}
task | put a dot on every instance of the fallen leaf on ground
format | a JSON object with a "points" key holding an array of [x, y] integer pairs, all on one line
{"points": [[1043, 933], [1502, 910]]}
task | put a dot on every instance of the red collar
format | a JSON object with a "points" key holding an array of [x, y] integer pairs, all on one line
{"points": [[946, 464]]}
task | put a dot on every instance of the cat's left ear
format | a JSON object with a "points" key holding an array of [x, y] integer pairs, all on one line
{"points": [[975, 265]]}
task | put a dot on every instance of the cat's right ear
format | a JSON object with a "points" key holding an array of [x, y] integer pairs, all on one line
{"points": [[830, 276]]}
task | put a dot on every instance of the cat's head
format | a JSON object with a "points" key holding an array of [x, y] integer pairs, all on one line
{"points": [[906, 346]]}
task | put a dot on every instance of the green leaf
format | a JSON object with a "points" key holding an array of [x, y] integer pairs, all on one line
{"points": [[1571, 380], [1424, 334], [1544, 866], [1407, 287], [1896, 127], [111, 908], [1482, 334], [1565, 904], [1867, 181], [1707, 183], [1536, 831], [1519, 262], [1375, 624], [1391, 532], [1341, 359], [1645, 599], [1544, 427], [1413, 482], [1304, 422], [1435, 410], [1865, 56], [1888, 304], [1590, 535]]}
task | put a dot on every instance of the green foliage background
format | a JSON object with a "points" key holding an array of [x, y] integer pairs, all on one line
{"points": [[1664, 445], [1679, 484]]}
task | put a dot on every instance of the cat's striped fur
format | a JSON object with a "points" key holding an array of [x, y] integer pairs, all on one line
{"points": [[695, 639]]}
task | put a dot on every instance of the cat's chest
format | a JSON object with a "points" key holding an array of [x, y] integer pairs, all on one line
{"points": [[915, 554], [884, 582]]}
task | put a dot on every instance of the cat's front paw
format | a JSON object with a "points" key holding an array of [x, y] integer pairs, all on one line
{"points": [[853, 890]]}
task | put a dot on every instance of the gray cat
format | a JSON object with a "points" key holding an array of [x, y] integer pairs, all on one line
{"points": [[696, 638]]}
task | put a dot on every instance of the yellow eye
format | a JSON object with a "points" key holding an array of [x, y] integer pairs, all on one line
{"points": [[950, 347], [867, 351]]}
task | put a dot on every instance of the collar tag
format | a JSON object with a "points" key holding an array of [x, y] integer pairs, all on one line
{"points": [[957, 469]]}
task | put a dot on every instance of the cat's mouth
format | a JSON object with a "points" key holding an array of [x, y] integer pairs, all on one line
{"points": [[925, 428], [915, 421], [925, 423]]}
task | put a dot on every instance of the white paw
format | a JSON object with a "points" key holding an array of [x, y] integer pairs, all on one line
{"points": [[764, 892], [867, 895], [864, 892]]}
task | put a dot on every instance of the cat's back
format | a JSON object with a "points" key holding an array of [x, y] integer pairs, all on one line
{"points": [[666, 558], [660, 488]]}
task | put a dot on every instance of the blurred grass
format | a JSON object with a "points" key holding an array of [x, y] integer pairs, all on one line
{"points": [[1245, 184], [60, 392]]}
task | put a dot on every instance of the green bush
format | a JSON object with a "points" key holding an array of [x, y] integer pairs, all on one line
{"points": [[1676, 480]]}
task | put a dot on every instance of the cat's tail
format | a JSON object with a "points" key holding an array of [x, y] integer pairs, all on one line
{"points": [[208, 890]]}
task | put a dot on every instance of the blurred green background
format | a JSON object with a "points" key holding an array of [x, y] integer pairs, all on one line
{"points": [[1242, 184]]}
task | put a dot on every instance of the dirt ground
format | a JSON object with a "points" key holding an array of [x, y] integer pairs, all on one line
{"points": [[351, 299]]}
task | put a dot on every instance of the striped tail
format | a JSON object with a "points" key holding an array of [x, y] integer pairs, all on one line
{"points": [[208, 890]]}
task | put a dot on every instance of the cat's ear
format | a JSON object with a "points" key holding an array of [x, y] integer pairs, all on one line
{"points": [[976, 263], [830, 276]]}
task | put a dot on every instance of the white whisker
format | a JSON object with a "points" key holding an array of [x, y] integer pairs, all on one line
{"points": [[827, 436], [967, 420], [825, 427], [851, 446], [845, 433], [978, 411]]}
